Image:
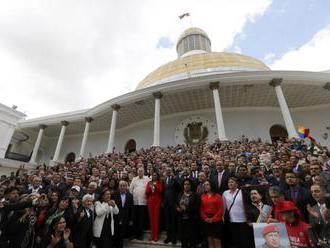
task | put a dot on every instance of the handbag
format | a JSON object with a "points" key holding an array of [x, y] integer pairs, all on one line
{"points": [[226, 217]]}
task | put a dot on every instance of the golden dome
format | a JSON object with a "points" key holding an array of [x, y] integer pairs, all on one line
{"points": [[187, 66]]}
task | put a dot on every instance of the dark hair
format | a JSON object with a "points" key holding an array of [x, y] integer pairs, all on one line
{"points": [[213, 188], [11, 189], [235, 179], [187, 179], [276, 190], [157, 174], [103, 192]]}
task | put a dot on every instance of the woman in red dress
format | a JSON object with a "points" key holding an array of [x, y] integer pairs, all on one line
{"points": [[212, 210], [154, 192]]}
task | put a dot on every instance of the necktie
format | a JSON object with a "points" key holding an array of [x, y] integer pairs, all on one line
{"points": [[294, 193]]}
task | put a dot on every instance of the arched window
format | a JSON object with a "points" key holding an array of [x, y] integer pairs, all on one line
{"points": [[278, 132], [130, 146], [70, 157]]}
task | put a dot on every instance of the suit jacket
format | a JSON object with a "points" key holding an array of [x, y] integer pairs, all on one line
{"points": [[12, 230], [171, 189], [82, 232], [321, 221], [320, 228], [303, 198], [125, 212], [61, 188], [224, 181]]}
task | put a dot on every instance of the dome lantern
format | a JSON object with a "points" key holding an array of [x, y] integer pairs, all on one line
{"points": [[193, 41]]}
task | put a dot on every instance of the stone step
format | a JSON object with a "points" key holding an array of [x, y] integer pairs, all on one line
{"points": [[135, 243]]}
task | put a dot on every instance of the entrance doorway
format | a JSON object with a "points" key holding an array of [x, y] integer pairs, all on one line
{"points": [[130, 146], [278, 132]]}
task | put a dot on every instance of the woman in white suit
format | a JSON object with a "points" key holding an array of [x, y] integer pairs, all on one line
{"points": [[104, 224]]}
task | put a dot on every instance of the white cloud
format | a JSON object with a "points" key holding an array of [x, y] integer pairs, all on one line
{"points": [[312, 56], [61, 55], [269, 56]]}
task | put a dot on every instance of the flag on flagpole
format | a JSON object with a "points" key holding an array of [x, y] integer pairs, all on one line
{"points": [[183, 15], [303, 132]]}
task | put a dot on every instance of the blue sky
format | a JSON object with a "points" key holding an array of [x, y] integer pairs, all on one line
{"points": [[285, 25]]}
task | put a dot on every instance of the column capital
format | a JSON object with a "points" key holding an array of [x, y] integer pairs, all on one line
{"points": [[115, 107], [89, 119], [327, 86], [214, 85], [275, 82], [42, 126], [157, 95], [64, 123]]}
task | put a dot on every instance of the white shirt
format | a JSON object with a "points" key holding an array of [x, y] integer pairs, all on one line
{"points": [[220, 174], [138, 190], [123, 199], [237, 212]]}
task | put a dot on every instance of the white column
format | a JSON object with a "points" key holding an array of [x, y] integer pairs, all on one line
{"points": [[37, 144], [218, 111], [156, 141], [111, 143], [84, 140], [60, 141], [276, 83]]}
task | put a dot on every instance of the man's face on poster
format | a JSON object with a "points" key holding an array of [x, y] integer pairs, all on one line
{"points": [[272, 239]]}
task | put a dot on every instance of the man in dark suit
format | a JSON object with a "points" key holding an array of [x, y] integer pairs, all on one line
{"points": [[36, 186], [82, 232], [194, 171], [320, 213], [299, 195], [220, 178], [170, 198], [57, 185], [124, 201]]}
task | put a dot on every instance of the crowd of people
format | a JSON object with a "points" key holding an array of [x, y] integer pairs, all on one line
{"points": [[205, 195]]}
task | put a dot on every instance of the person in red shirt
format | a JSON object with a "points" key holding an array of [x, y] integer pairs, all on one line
{"points": [[211, 212], [296, 228], [154, 192]]}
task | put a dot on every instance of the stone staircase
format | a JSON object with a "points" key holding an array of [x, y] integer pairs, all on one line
{"points": [[134, 243]]}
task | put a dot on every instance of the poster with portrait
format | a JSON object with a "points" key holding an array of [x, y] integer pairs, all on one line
{"points": [[272, 235], [256, 203]]}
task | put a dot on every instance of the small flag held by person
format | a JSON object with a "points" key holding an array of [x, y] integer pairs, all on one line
{"points": [[303, 132], [183, 15]]}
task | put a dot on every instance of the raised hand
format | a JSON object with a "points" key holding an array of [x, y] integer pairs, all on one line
{"points": [[66, 234], [82, 214], [312, 212], [55, 240]]}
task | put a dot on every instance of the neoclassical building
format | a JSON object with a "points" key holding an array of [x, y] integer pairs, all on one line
{"points": [[198, 97]]}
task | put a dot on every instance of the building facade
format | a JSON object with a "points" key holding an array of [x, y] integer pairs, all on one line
{"points": [[199, 97]]}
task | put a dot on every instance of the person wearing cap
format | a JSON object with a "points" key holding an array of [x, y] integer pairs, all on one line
{"points": [[271, 234], [296, 228]]}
